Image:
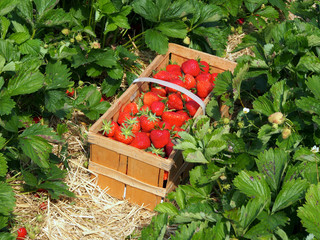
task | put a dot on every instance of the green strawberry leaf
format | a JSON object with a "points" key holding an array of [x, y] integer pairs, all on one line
{"points": [[110, 86], [309, 213], [156, 41], [44, 5], [32, 47], [272, 164], [187, 231], [264, 105], [7, 236], [223, 83], [267, 225], [58, 103], [308, 104], [309, 62], [6, 105], [57, 76], [3, 165], [7, 6], [268, 12], [25, 83], [313, 84], [19, 37], [253, 184], [177, 29], [167, 208], [7, 199], [57, 189], [290, 192], [5, 24], [3, 224], [156, 229], [252, 5]]}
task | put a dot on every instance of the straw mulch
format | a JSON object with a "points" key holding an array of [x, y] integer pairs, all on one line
{"points": [[93, 214]]}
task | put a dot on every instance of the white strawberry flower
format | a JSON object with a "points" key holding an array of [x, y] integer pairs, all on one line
{"points": [[246, 110], [315, 149]]}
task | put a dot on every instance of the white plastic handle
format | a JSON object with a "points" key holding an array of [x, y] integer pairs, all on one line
{"points": [[176, 87]]}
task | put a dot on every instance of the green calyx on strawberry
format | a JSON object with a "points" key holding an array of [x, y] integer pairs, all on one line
{"points": [[134, 123], [123, 116], [149, 122], [108, 128], [159, 138], [124, 134], [157, 151], [204, 66], [141, 141]]}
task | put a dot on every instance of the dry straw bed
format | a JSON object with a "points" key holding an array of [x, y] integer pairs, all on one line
{"points": [[93, 214]]}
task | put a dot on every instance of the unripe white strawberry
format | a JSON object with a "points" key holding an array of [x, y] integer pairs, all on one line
{"points": [[276, 118], [65, 31], [186, 40], [78, 37], [286, 132]]}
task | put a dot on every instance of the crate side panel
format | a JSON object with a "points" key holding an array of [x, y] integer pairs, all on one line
{"points": [[148, 174], [112, 160]]}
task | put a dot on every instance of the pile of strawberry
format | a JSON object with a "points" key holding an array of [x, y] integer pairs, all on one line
{"points": [[153, 123]]}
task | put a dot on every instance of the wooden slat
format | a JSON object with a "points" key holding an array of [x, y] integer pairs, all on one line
{"points": [[212, 60], [175, 180], [145, 173], [130, 151], [113, 160]]}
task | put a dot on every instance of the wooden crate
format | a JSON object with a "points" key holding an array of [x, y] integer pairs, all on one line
{"points": [[132, 173]]}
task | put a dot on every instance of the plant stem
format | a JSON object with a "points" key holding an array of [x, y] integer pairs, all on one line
{"points": [[131, 40]]}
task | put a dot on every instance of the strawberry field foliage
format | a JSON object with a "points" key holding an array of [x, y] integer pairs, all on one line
{"points": [[256, 173], [49, 47]]}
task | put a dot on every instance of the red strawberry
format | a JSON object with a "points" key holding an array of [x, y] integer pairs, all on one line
{"points": [[70, 93], [173, 68], [150, 97], [108, 128], [175, 81], [161, 92], [189, 81], [186, 97], [204, 87], [204, 76], [134, 123], [191, 66], [165, 175], [213, 76], [145, 108], [175, 101], [141, 141], [169, 147], [102, 99], [184, 114], [162, 75], [157, 108], [22, 233], [37, 119], [156, 151], [177, 75], [124, 134], [149, 122], [240, 21], [165, 125], [173, 118], [204, 66], [159, 138], [43, 206], [192, 107], [123, 116], [131, 108]]}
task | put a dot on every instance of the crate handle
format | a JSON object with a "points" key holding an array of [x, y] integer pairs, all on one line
{"points": [[176, 87]]}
